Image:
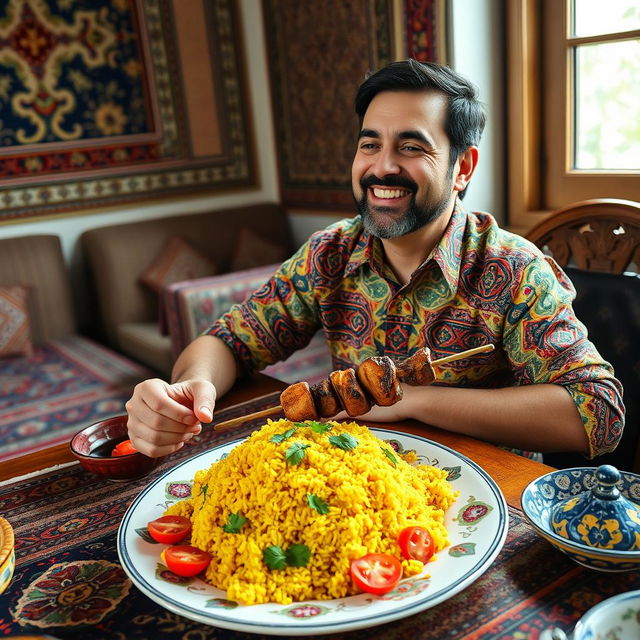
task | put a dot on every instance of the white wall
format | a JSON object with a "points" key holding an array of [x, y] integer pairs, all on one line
{"points": [[476, 43], [70, 226]]}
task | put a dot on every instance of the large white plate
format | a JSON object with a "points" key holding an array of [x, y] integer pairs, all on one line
{"points": [[477, 523]]}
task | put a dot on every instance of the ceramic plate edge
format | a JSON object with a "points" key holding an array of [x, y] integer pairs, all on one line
{"points": [[295, 628]]}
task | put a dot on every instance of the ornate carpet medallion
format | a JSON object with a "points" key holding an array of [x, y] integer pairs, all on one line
{"points": [[102, 103]]}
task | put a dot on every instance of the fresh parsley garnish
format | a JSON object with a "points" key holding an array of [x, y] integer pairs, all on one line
{"points": [[319, 427], [344, 441], [295, 453], [317, 503], [281, 437], [390, 456], [297, 555], [234, 523], [274, 557]]}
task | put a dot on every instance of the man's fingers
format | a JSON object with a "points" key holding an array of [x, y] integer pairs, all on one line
{"points": [[202, 395], [162, 417]]}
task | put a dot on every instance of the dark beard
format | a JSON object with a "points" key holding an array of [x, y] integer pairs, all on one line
{"points": [[413, 219]]}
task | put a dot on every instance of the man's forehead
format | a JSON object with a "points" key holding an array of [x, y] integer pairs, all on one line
{"points": [[406, 111]]}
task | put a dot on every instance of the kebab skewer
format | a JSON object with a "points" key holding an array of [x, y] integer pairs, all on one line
{"points": [[375, 381]]}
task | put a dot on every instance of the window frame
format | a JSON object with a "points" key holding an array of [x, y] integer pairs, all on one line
{"points": [[539, 63]]}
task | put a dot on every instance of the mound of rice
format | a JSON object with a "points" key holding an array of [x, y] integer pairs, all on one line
{"points": [[370, 494]]}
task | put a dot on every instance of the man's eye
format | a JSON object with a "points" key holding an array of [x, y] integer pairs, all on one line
{"points": [[411, 148], [368, 145]]}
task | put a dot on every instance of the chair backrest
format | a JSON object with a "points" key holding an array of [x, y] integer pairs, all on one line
{"points": [[597, 243]]}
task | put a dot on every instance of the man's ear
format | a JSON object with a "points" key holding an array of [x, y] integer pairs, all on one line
{"points": [[466, 165]]}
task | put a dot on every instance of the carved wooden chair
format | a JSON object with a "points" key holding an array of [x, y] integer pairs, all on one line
{"points": [[597, 243]]}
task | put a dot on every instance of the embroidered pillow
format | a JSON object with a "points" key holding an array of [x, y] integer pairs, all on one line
{"points": [[177, 261], [253, 251], [15, 325], [193, 306]]}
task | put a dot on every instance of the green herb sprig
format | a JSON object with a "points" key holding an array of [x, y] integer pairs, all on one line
{"points": [[279, 438], [297, 555], [296, 453], [274, 557], [344, 441], [317, 503], [317, 427], [235, 522], [390, 455]]}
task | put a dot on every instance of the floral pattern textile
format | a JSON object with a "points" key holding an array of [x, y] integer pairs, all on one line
{"points": [[480, 285], [73, 593]]}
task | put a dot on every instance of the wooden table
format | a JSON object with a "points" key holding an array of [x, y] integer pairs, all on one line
{"points": [[511, 472], [66, 521]]}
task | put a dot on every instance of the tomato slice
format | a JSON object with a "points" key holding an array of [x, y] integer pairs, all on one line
{"points": [[185, 560], [169, 529], [376, 573], [124, 448], [416, 543]]}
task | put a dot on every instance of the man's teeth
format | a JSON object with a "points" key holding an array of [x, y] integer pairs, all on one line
{"points": [[389, 193]]}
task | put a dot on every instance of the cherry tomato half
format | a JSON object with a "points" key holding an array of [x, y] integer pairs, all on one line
{"points": [[376, 573], [185, 560], [416, 543], [169, 529], [123, 448]]}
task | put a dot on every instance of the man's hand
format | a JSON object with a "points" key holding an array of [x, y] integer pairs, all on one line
{"points": [[163, 416]]}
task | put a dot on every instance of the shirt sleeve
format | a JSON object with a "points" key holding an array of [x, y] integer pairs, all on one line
{"points": [[276, 320], [546, 343]]}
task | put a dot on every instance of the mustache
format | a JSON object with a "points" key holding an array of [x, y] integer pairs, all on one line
{"points": [[388, 181]]}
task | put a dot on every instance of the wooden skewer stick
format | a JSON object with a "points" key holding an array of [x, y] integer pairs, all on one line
{"points": [[271, 411], [463, 354]]}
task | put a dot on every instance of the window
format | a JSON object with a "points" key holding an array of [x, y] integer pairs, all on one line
{"points": [[574, 104]]}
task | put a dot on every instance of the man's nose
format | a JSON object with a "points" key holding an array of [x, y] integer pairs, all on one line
{"points": [[386, 163]]}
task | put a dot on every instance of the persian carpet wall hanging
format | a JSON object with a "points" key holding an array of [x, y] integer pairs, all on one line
{"points": [[319, 52], [104, 103]]}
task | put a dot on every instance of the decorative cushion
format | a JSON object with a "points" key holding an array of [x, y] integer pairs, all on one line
{"points": [[253, 251], [177, 261], [192, 307], [15, 325]]}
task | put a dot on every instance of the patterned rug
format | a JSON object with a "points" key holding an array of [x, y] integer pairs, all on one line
{"points": [[76, 382], [69, 583]]}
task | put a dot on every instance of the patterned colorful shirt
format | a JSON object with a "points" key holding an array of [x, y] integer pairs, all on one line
{"points": [[480, 285]]}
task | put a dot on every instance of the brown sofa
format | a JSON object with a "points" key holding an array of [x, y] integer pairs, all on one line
{"points": [[66, 381], [37, 261], [117, 255]]}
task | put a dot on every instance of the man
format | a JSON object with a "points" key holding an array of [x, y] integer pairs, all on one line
{"points": [[413, 269]]}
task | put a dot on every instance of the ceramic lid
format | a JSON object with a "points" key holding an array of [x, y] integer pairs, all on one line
{"points": [[602, 517]]}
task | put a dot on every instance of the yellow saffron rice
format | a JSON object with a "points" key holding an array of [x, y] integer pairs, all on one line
{"points": [[371, 496]]}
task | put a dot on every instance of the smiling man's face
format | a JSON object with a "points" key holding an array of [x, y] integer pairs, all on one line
{"points": [[400, 175]]}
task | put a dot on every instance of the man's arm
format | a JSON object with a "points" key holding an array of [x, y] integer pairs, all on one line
{"points": [[163, 416], [539, 417]]}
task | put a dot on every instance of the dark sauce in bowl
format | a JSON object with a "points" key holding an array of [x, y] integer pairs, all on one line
{"points": [[103, 448]]}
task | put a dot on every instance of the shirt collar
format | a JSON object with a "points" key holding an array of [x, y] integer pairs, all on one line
{"points": [[362, 252], [446, 253]]}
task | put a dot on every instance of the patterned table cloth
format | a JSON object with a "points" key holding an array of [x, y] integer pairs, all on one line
{"points": [[69, 583]]}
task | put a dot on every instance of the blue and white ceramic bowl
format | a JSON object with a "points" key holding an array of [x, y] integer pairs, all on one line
{"points": [[617, 617], [540, 496]]}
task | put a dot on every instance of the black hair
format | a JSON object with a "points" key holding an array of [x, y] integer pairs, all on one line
{"points": [[466, 115]]}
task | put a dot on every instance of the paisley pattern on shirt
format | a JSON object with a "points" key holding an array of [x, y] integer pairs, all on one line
{"points": [[480, 285]]}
